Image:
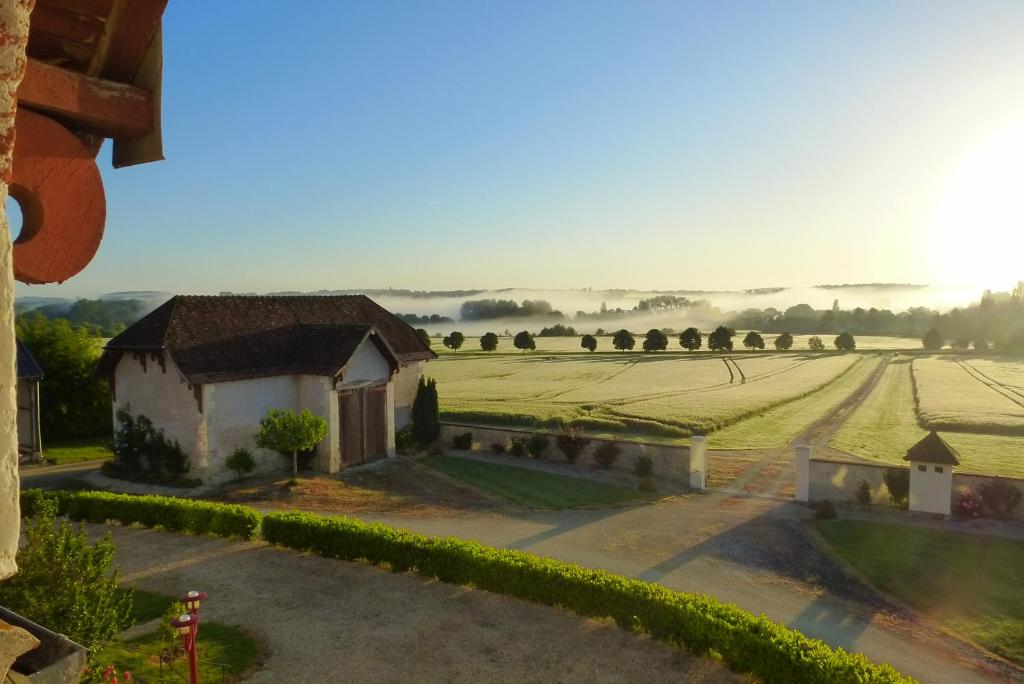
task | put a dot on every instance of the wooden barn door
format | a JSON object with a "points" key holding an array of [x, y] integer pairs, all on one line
{"points": [[364, 427]]}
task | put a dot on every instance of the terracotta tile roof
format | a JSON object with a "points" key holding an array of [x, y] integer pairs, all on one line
{"points": [[213, 339], [933, 449]]}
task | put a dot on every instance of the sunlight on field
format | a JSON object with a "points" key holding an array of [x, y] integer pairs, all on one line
{"points": [[885, 426], [955, 395]]}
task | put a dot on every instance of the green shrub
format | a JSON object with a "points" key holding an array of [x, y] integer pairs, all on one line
{"points": [[498, 448], [463, 441], [897, 481], [825, 510], [1000, 497], [864, 492], [426, 413], [606, 454], [404, 441], [111, 469], [241, 462], [746, 643], [571, 442], [139, 446], [66, 583], [536, 445], [517, 446], [174, 514], [643, 467]]}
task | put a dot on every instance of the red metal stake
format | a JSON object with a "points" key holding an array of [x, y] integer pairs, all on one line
{"points": [[188, 627]]}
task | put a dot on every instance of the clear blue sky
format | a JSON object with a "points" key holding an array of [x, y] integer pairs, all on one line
{"points": [[569, 144]]}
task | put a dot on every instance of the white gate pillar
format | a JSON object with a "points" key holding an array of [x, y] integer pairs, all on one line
{"points": [[698, 462], [803, 472]]}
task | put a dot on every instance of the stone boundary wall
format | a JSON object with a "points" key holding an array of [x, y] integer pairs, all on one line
{"points": [[670, 462], [838, 481]]}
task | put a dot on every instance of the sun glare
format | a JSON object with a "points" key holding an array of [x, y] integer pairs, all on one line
{"points": [[977, 236]]}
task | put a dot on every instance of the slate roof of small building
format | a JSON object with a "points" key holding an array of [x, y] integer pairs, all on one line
{"points": [[933, 449], [28, 367], [219, 338]]}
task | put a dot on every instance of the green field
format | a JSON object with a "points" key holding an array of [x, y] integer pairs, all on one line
{"points": [[533, 488], [76, 450], [973, 585], [885, 426], [953, 394]]}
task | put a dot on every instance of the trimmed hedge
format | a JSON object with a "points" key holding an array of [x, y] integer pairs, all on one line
{"points": [[746, 643], [170, 513]]}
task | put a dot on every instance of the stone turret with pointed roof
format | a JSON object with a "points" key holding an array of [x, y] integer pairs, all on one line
{"points": [[931, 474], [933, 449]]}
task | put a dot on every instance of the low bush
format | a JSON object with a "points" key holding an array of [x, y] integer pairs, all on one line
{"points": [[517, 446], [405, 442], [1000, 497], [537, 445], [606, 454], [897, 481], [825, 510], [139, 446], [498, 448], [746, 643], [864, 492], [241, 462], [643, 467], [463, 441], [174, 514], [571, 442], [968, 504]]}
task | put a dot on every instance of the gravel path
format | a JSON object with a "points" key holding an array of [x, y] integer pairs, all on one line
{"points": [[325, 620]]}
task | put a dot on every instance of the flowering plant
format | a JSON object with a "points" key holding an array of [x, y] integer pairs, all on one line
{"points": [[109, 675], [969, 504]]}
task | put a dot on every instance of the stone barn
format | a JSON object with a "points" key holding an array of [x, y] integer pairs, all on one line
{"points": [[206, 369]]}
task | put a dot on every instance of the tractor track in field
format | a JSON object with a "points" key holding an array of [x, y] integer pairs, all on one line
{"points": [[822, 430], [992, 383]]}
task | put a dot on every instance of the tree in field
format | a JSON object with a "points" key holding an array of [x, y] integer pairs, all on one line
{"points": [[815, 344], [845, 342], [287, 432], [961, 344], [655, 340], [524, 341], [783, 341], [753, 341], [74, 402], [933, 340], [454, 341], [690, 339], [623, 340], [720, 339], [980, 345], [588, 342], [424, 337], [426, 412], [489, 342]]}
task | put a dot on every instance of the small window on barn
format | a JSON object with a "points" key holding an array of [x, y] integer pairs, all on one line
{"points": [[923, 468], [938, 469]]}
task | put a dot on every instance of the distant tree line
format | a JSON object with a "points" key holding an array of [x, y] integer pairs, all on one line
{"points": [[488, 309], [101, 317], [414, 319]]}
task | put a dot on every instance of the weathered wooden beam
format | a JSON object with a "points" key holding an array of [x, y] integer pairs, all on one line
{"points": [[130, 29], [113, 110]]}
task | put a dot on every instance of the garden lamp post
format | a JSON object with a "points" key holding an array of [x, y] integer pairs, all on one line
{"points": [[187, 625]]}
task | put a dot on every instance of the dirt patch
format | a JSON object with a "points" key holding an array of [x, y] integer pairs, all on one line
{"points": [[399, 486], [325, 620], [723, 470]]}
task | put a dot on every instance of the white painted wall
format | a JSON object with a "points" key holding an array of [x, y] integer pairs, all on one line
{"points": [[366, 363], [163, 396], [406, 380], [931, 490]]}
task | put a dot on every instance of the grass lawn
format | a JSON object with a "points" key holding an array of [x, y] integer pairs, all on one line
{"points": [[885, 426], [778, 426], [531, 487], [76, 450], [971, 584], [218, 644], [148, 605]]}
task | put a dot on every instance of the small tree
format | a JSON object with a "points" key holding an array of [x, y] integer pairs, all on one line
{"points": [[933, 340], [753, 341], [623, 340], [606, 454], [980, 345], [424, 337], [1000, 497], [571, 442], [588, 342], [897, 481], [489, 342], [815, 344], [426, 412], [524, 341], [784, 341], [720, 339], [655, 340], [845, 342], [287, 432], [690, 339], [961, 344], [241, 462], [454, 341]]}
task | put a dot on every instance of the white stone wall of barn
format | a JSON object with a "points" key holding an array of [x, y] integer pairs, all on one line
{"points": [[406, 380], [163, 396], [368, 366]]}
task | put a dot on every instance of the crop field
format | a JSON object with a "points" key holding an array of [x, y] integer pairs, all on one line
{"points": [[954, 394], [885, 425], [655, 395], [560, 345]]}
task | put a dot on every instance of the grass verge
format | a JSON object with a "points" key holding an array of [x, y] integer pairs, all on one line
{"points": [[971, 584], [532, 488], [76, 450]]}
